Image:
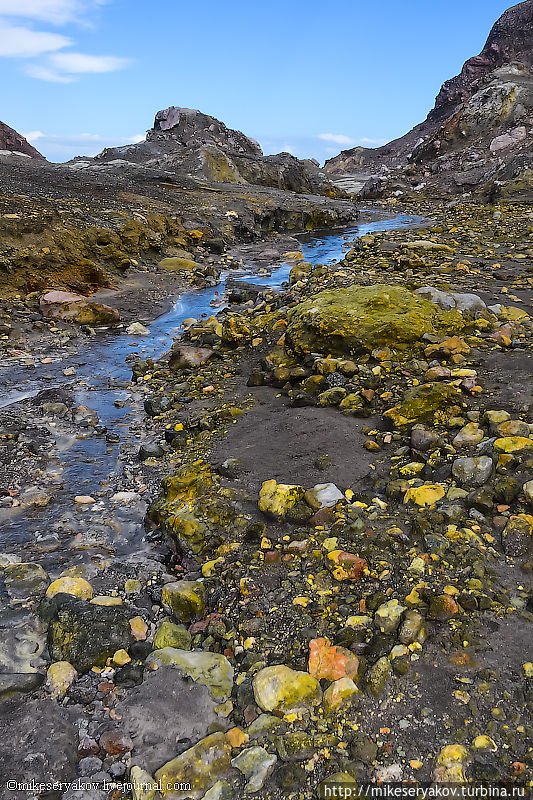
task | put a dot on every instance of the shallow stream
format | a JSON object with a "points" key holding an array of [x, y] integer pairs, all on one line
{"points": [[89, 463]]}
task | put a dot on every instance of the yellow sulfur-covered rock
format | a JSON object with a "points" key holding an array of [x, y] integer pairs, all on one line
{"points": [[451, 763], [425, 495], [280, 688], [513, 444], [78, 587], [423, 402], [276, 499]]}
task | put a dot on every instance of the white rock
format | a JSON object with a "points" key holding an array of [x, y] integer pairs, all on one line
{"points": [[124, 497], [468, 302], [137, 329], [443, 299], [508, 139], [528, 492], [327, 494], [8, 559]]}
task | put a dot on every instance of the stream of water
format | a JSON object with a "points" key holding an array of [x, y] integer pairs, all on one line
{"points": [[103, 371]]}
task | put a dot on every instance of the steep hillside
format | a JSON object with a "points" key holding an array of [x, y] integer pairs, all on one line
{"points": [[13, 142], [478, 135]]}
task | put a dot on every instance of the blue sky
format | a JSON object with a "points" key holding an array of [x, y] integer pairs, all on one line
{"points": [[309, 77]]}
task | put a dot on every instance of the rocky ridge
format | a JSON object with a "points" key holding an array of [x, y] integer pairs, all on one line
{"points": [[186, 141]]}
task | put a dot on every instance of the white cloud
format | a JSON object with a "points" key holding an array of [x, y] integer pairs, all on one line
{"points": [[77, 63], [33, 136], [139, 137], [47, 74], [364, 140], [19, 42], [57, 12], [337, 138]]}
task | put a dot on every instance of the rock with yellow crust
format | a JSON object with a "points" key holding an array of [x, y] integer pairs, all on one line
{"points": [[451, 764], [422, 403], [196, 770], [359, 319], [425, 495], [59, 676], [185, 598], [280, 688], [340, 693], [276, 499], [517, 536], [514, 444], [78, 587]]}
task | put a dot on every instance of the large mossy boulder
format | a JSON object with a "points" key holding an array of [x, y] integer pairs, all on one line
{"points": [[361, 318]]}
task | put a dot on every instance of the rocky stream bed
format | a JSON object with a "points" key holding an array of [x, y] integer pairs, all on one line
{"points": [[276, 535]]}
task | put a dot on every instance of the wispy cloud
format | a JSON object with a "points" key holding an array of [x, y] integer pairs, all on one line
{"points": [[39, 49], [337, 138], [67, 67], [373, 142], [20, 42], [43, 73], [57, 12], [76, 63]]}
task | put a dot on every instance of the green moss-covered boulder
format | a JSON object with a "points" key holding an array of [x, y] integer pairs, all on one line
{"points": [[193, 506], [171, 635], [378, 676], [362, 318], [423, 402], [280, 688], [185, 598]]}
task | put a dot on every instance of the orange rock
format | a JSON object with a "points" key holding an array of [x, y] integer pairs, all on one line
{"points": [[331, 662], [236, 737], [348, 565]]}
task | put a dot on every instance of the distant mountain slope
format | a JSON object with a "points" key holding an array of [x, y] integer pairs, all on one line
{"points": [[12, 141], [478, 134]]}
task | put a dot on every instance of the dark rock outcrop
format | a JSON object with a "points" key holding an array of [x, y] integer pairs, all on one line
{"points": [[13, 142], [510, 39], [190, 128]]}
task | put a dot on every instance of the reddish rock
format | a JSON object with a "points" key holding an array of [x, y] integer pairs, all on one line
{"points": [[443, 608], [70, 307], [324, 516], [115, 742], [346, 566]]}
